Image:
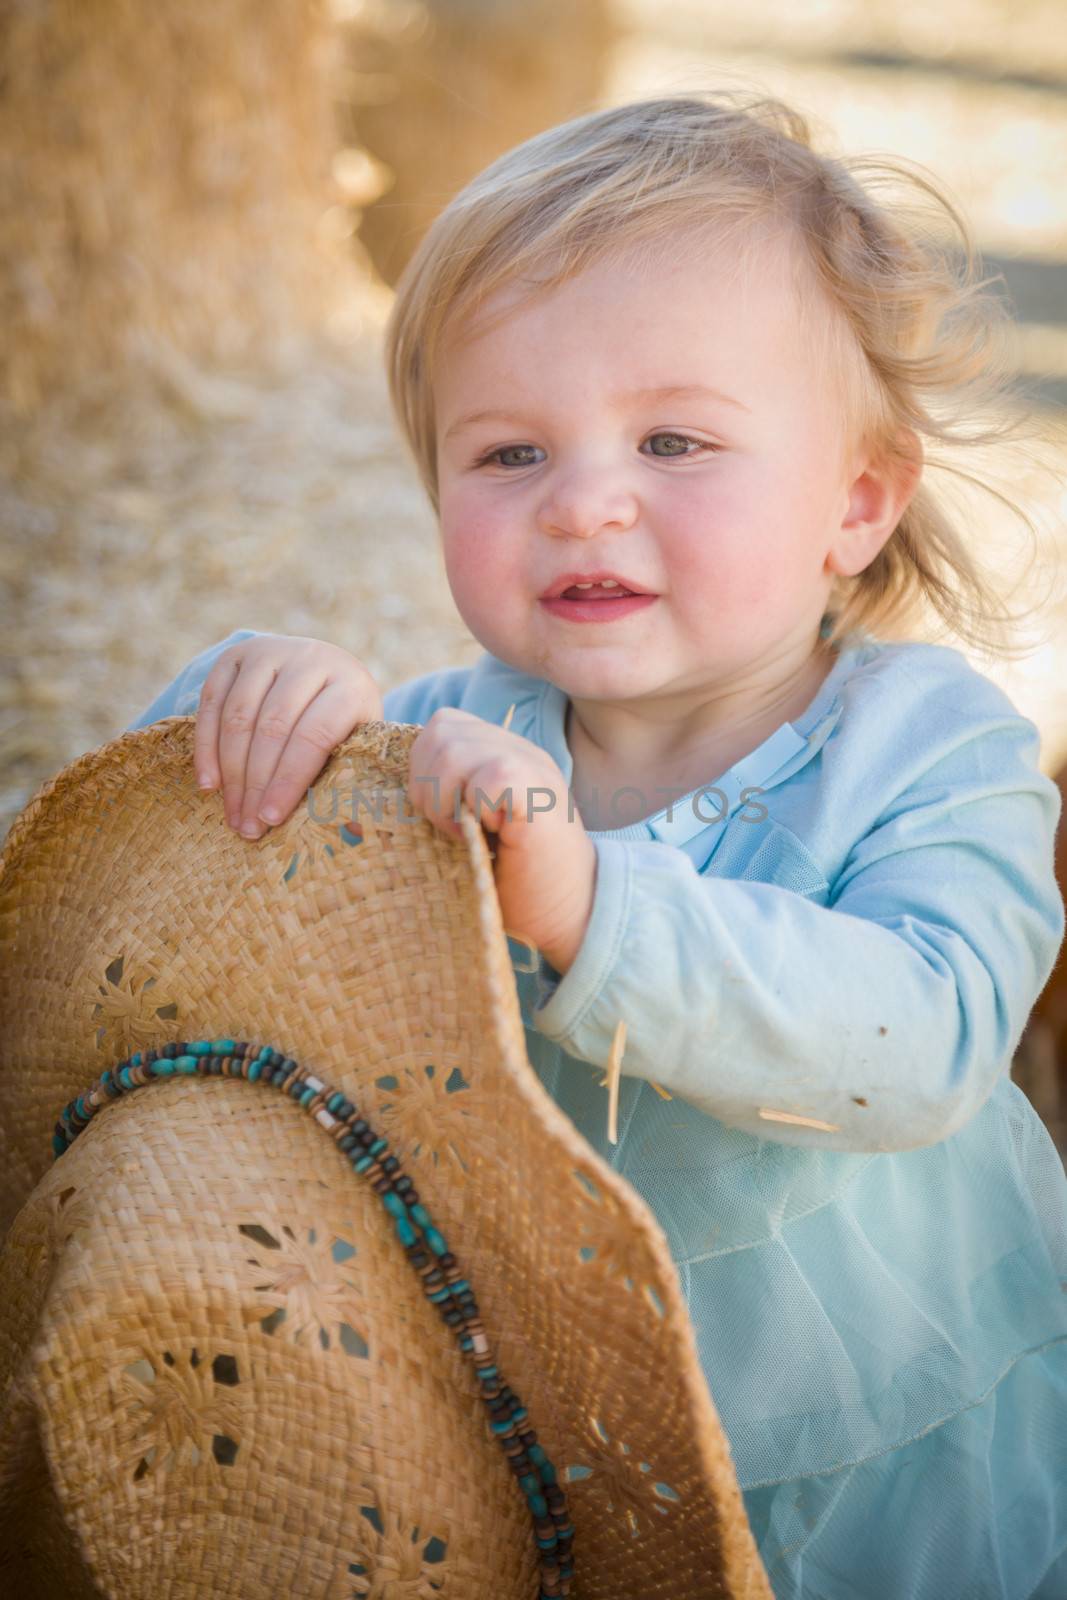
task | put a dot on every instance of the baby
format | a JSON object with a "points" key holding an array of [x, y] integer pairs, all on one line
{"points": [[668, 376]]}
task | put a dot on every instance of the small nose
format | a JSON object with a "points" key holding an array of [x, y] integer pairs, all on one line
{"points": [[580, 509]]}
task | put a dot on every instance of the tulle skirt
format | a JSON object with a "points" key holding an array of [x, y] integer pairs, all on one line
{"points": [[975, 1509], [884, 1336]]}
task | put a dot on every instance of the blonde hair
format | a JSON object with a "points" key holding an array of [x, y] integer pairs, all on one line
{"points": [[917, 342]]}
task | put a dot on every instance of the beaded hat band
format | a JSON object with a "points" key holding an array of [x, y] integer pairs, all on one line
{"points": [[216, 1351]]}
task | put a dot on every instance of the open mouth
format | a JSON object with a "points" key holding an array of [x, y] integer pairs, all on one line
{"points": [[597, 604], [596, 591]]}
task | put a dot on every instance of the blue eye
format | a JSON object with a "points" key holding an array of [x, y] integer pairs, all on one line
{"points": [[503, 451], [662, 433], [685, 439]]}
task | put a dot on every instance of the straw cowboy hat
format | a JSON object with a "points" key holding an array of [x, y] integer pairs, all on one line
{"points": [[244, 1350]]}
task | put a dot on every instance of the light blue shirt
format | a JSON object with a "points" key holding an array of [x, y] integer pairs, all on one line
{"points": [[857, 945]]}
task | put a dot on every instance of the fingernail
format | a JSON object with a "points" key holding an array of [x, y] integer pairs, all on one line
{"points": [[271, 814], [251, 830], [233, 818], [205, 782]]}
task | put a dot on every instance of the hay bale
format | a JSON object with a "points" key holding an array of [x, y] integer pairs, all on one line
{"points": [[164, 173], [436, 90]]}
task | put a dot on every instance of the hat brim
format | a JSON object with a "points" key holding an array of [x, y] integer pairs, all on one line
{"points": [[143, 1274]]}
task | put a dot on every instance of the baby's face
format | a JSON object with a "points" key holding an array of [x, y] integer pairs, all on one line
{"points": [[722, 506]]}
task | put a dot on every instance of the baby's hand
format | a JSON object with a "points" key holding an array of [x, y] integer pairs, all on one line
{"points": [[545, 863], [272, 710]]}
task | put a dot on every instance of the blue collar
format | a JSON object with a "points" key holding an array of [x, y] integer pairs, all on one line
{"points": [[790, 747]]}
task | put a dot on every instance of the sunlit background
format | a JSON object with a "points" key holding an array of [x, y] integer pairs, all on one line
{"points": [[203, 207]]}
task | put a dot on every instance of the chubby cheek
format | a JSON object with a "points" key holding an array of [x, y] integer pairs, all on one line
{"points": [[742, 555], [710, 555], [480, 561]]}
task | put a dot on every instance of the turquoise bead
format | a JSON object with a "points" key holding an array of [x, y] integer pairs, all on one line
{"points": [[409, 1221]]}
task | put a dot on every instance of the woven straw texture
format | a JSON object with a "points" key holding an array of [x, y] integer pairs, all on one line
{"points": [[219, 1374]]}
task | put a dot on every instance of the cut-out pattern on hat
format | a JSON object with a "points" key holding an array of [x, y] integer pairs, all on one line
{"points": [[53, 1217], [339, 815], [425, 1106], [71, 1213], [320, 841], [654, 1300], [125, 1012], [396, 1559], [172, 1411], [605, 1242], [52, 1221], [620, 1484], [303, 1291]]}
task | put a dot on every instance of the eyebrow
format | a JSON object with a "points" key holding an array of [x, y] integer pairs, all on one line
{"points": [[668, 391]]}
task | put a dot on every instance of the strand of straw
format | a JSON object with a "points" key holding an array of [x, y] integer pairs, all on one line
{"points": [[618, 1043]]}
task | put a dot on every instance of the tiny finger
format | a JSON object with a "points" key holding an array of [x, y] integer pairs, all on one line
{"points": [[326, 720], [213, 693]]}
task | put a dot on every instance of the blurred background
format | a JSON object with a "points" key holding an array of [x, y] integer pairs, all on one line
{"points": [[204, 205]]}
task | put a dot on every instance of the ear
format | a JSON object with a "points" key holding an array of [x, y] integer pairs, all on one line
{"points": [[878, 496]]}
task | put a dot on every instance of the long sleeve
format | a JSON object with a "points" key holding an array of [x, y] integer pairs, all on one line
{"points": [[181, 696], [887, 1014], [412, 701], [418, 698]]}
